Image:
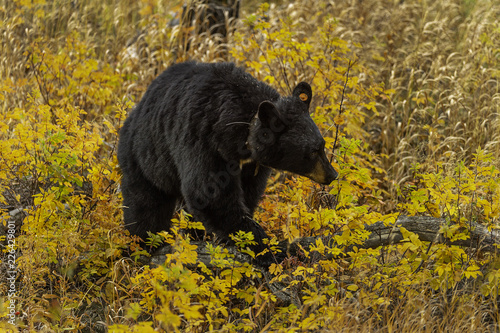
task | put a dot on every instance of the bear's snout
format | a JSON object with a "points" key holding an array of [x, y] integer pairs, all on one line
{"points": [[323, 172]]}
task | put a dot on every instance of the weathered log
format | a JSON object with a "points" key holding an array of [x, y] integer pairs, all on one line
{"points": [[427, 228]]}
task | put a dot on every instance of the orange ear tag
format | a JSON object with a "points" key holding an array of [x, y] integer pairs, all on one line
{"points": [[303, 97]]}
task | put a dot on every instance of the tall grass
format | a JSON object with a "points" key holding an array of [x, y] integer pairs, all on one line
{"points": [[442, 60]]}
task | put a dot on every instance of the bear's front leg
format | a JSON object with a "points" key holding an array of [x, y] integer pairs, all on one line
{"points": [[259, 235], [216, 198]]}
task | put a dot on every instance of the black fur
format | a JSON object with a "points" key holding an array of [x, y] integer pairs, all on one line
{"points": [[193, 129]]}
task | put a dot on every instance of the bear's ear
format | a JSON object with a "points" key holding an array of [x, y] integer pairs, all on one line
{"points": [[304, 92], [269, 115]]}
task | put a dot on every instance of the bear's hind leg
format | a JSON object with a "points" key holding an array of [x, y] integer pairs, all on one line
{"points": [[146, 208]]}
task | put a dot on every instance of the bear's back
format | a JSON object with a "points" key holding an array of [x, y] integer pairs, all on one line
{"points": [[217, 83], [198, 101], [191, 107]]}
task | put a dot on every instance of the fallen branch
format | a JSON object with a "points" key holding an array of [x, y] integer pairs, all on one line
{"points": [[427, 228]]}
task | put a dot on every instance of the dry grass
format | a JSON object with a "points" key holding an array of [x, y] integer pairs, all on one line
{"points": [[441, 58], [422, 313]]}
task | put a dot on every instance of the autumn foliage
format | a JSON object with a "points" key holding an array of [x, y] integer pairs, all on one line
{"points": [[406, 95]]}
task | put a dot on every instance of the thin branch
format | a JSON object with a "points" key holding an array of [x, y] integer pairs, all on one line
{"points": [[341, 104]]}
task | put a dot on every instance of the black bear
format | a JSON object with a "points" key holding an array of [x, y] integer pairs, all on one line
{"points": [[209, 134]]}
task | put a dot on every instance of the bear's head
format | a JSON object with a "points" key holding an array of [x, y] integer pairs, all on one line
{"points": [[283, 136]]}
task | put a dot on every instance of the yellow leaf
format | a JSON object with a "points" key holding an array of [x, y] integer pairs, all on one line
{"points": [[352, 287], [339, 119]]}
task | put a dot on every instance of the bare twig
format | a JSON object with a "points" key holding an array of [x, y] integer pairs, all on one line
{"points": [[337, 127]]}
